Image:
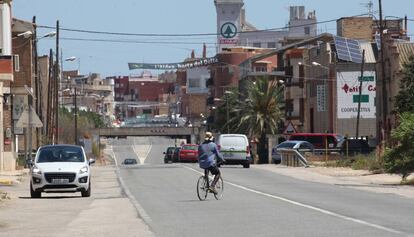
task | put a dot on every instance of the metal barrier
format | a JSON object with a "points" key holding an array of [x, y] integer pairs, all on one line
{"points": [[292, 157]]}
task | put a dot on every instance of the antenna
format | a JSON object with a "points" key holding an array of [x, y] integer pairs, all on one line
{"points": [[370, 6]]}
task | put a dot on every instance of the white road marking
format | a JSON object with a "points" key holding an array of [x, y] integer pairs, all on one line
{"points": [[141, 159], [141, 212], [323, 211]]}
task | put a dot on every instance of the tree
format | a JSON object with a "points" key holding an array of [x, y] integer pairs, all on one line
{"points": [[260, 113], [405, 99], [400, 159]]}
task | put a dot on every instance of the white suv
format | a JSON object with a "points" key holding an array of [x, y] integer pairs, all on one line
{"points": [[60, 169]]}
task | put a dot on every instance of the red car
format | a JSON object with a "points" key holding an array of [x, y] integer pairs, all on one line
{"points": [[189, 152]]}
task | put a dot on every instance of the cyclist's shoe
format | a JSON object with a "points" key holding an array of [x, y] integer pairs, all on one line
{"points": [[213, 190]]}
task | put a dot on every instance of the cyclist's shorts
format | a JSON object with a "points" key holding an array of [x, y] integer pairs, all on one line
{"points": [[214, 170]]}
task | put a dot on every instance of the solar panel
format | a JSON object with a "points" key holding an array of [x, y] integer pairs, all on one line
{"points": [[348, 49], [378, 41]]}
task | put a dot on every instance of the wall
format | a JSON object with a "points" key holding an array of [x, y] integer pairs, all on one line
{"points": [[355, 28]]}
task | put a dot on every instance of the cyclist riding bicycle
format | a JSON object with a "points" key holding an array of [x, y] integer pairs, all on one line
{"points": [[207, 155]]}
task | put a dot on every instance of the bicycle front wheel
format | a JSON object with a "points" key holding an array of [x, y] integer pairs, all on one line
{"points": [[219, 188], [202, 189]]}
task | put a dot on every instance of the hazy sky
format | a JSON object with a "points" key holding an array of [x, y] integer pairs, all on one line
{"points": [[162, 17]]}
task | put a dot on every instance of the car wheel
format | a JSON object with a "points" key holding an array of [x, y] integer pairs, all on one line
{"points": [[87, 193], [34, 194], [246, 165]]}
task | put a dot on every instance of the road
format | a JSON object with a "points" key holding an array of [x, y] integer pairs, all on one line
{"points": [[256, 202]]}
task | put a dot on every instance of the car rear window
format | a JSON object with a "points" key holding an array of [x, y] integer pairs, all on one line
{"points": [[192, 148], [61, 154], [233, 141]]}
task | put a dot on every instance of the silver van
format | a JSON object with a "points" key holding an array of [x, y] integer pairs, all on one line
{"points": [[235, 149]]}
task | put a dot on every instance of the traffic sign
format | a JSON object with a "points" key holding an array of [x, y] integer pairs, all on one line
{"points": [[289, 129], [23, 121]]}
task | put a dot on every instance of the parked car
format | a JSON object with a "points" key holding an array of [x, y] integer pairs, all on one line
{"points": [[320, 140], [356, 146], [130, 161], [297, 145], [188, 152], [60, 168], [235, 149], [168, 154], [176, 155]]}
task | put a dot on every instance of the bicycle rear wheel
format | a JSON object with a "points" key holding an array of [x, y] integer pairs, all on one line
{"points": [[219, 188], [202, 189]]}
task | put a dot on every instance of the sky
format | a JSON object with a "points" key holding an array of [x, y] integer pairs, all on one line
{"points": [[165, 17]]}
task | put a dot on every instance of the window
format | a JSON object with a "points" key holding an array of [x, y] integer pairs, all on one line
{"points": [[16, 61], [307, 30], [257, 44], [271, 44], [194, 83]]}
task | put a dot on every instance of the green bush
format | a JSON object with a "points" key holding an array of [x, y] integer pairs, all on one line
{"points": [[359, 162]]}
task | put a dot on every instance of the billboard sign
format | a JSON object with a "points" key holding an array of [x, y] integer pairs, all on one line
{"points": [[228, 33], [348, 94]]}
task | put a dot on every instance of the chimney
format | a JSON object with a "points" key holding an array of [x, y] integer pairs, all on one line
{"points": [[406, 25], [204, 51], [192, 54]]}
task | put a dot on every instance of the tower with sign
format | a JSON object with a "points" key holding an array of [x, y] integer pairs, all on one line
{"points": [[228, 22]]}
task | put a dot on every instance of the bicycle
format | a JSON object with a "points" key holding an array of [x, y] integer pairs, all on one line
{"points": [[203, 185]]}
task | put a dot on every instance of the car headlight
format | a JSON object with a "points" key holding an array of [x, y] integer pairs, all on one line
{"points": [[36, 170], [83, 170]]}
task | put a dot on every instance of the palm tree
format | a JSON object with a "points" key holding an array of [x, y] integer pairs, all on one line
{"points": [[260, 113]]}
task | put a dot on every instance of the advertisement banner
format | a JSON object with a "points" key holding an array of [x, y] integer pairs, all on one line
{"points": [[171, 66], [348, 94]]}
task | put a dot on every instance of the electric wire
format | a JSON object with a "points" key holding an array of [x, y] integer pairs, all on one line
{"points": [[187, 34]]}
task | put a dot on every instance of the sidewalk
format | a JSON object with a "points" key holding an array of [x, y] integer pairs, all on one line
{"points": [[8, 178], [346, 177], [108, 212]]}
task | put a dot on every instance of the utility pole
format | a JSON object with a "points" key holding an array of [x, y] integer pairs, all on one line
{"points": [[227, 112], [76, 116], [361, 79], [383, 81], [57, 81], [36, 78], [50, 89]]}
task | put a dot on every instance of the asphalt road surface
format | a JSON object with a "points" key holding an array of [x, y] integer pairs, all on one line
{"points": [[255, 202]]}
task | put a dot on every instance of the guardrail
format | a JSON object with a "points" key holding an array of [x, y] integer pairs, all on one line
{"points": [[292, 157]]}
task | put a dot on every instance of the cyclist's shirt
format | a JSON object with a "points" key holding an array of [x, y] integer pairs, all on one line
{"points": [[206, 154]]}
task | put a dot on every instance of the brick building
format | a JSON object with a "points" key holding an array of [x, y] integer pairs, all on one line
{"points": [[139, 94], [396, 54]]}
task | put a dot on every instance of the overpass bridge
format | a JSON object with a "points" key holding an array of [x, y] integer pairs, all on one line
{"points": [[191, 134]]}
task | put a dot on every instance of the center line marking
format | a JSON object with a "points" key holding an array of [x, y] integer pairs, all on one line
{"points": [[330, 213]]}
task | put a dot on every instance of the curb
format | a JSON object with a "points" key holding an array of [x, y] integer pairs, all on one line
{"points": [[6, 182]]}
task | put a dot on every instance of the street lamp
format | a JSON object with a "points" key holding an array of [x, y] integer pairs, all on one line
{"points": [[73, 58], [320, 65]]}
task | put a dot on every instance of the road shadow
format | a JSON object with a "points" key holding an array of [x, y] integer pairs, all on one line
{"points": [[192, 200], [51, 197]]}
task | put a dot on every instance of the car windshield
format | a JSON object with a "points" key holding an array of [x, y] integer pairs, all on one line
{"points": [[286, 145], [130, 161], [192, 148], [60, 154]]}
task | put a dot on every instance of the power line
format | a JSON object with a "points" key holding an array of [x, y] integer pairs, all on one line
{"points": [[135, 41], [188, 34]]}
